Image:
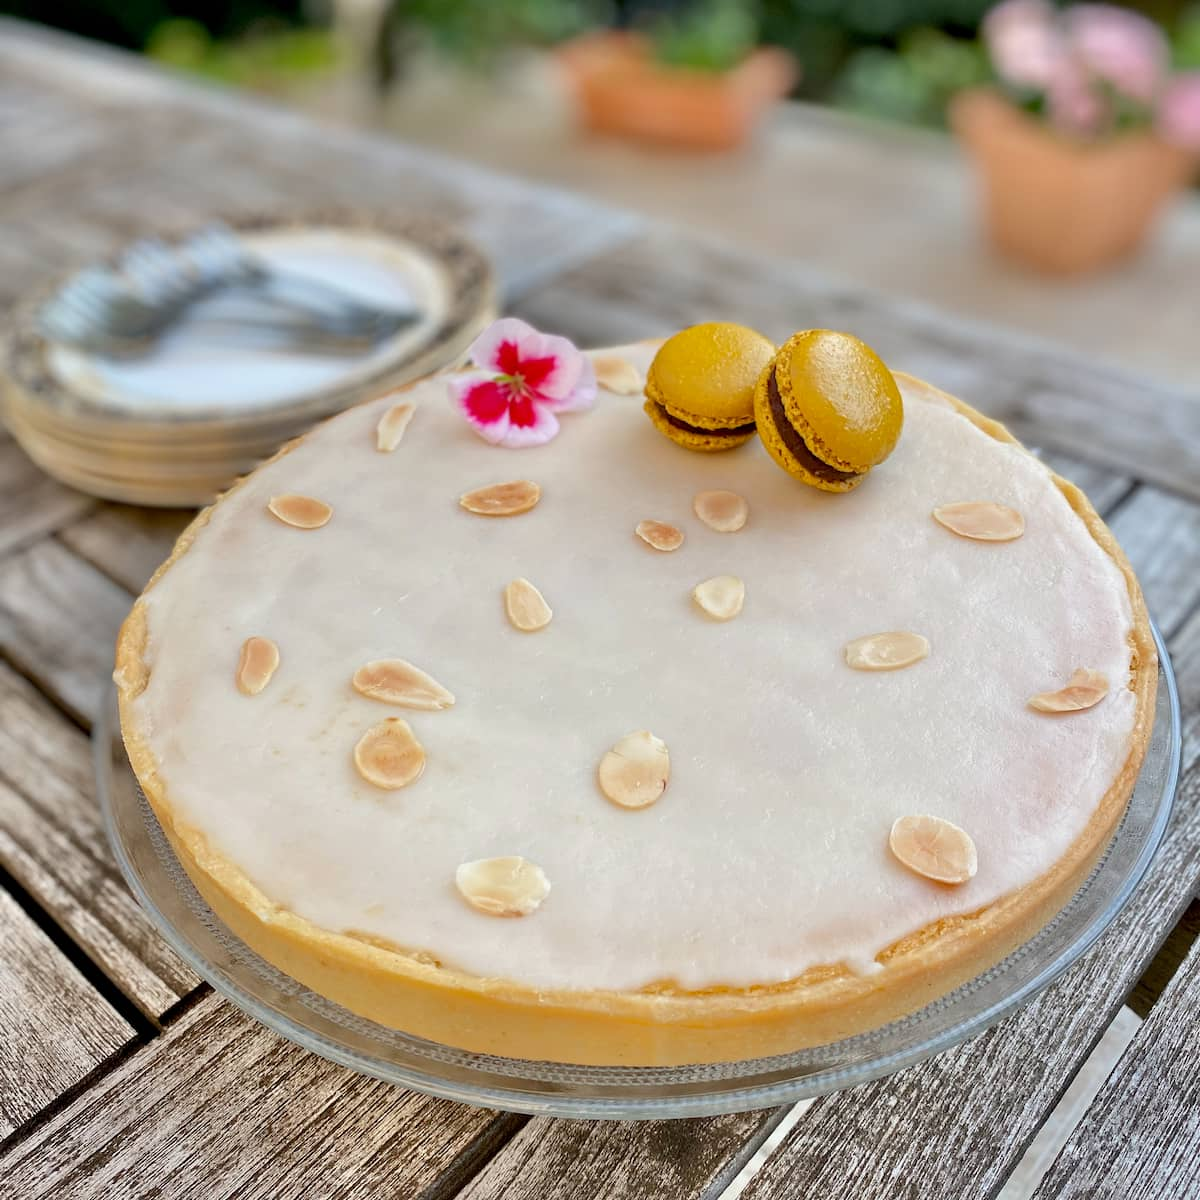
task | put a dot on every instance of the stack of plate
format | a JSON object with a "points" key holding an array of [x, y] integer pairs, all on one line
{"points": [[175, 426]]}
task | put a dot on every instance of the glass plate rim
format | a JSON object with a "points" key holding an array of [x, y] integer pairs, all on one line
{"points": [[656, 1106]]}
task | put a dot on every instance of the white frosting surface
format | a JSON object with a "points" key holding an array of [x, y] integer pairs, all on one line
{"points": [[768, 852]]}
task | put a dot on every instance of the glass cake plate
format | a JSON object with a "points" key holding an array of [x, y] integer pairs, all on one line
{"points": [[561, 1089]]}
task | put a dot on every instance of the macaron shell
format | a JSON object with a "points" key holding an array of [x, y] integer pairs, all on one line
{"points": [[653, 392], [771, 439], [705, 374], [840, 397], [706, 443]]}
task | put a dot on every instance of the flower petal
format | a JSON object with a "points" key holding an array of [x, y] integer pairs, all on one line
{"points": [[522, 410], [583, 394], [523, 376], [501, 345], [485, 403], [1179, 112], [1025, 42], [1122, 48], [555, 364], [542, 426]]}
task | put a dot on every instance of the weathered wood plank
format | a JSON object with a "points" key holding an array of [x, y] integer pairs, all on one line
{"points": [[1185, 656], [661, 280], [126, 543], [1072, 1105], [19, 268], [957, 1124], [58, 623], [609, 1160], [52, 841], [220, 1107], [54, 1026], [31, 503], [1161, 535], [1140, 1140], [1166, 962], [37, 139]]}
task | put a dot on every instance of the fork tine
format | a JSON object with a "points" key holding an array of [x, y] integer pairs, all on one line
{"points": [[156, 271]]}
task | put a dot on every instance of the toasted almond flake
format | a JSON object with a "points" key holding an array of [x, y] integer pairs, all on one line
{"points": [[526, 606], [635, 772], [301, 512], [389, 755], [934, 848], [502, 499], [511, 886], [660, 535], [1084, 689], [886, 651], [392, 425], [981, 520], [726, 512], [721, 597], [256, 665], [617, 375], [395, 681]]}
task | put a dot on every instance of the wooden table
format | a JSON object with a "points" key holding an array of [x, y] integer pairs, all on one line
{"points": [[122, 1074]]}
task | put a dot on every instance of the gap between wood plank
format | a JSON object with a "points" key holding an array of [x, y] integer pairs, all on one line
{"points": [[775, 1127], [70, 1094], [474, 1157], [742, 1169], [1064, 1118], [1166, 962], [185, 1004], [143, 1026]]}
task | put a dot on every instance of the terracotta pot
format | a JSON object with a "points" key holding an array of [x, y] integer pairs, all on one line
{"points": [[1061, 206], [622, 90]]}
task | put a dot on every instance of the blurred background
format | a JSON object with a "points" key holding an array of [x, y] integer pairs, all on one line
{"points": [[898, 60], [1027, 166]]}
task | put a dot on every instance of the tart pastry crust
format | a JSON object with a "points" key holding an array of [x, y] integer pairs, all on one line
{"points": [[661, 1024]]}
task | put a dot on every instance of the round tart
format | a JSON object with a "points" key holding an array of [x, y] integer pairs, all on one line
{"points": [[643, 757]]}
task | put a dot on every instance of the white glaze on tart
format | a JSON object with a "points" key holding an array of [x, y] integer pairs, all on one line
{"points": [[788, 769]]}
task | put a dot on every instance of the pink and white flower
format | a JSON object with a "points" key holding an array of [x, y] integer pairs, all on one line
{"points": [[524, 377], [1179, 112], [1025, 42], [1122, 48], [1074, 104]]}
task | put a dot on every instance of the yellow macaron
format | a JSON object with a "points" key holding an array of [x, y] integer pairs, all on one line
{"points": [[700, 386], [828, 409]]}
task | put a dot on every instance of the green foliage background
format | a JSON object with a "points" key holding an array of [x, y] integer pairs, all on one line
{"points": [[899, 59]]}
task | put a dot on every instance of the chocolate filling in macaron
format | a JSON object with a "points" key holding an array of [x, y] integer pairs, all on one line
{"points": [[735, 431], [796, 444]]}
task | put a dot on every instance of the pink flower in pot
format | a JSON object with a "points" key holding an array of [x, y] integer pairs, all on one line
{"points": [[1072, 101], [1123, 136], [1025, 42], [1179, 111], [1118, 47]]}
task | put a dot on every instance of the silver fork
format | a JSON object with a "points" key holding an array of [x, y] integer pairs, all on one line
{"points": [[86, 307], [216, 253], [122, 312]]}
